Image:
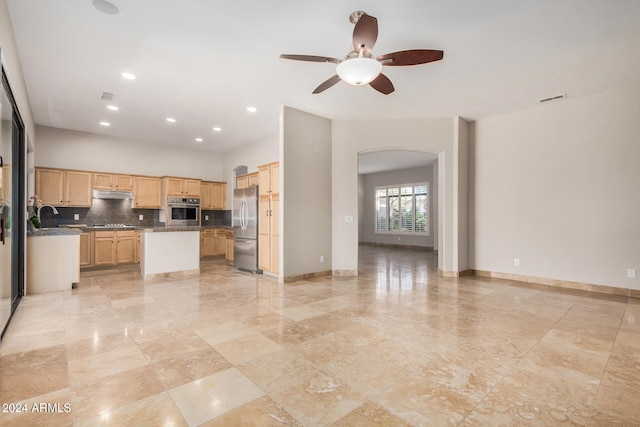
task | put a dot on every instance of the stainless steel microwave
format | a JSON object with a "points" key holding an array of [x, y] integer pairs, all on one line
{"points": [[183, 211]]}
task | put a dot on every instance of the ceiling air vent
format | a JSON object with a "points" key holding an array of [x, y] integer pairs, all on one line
{"points": [[107, 96], [552, 98]]}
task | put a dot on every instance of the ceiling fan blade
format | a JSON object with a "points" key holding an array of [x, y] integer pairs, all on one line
{"points": [[411, 57], [365, 33], [327, 84], [311, 58], [382, 84]]}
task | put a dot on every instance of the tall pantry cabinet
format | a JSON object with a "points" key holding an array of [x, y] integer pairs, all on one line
{"points": [[268, 225]]}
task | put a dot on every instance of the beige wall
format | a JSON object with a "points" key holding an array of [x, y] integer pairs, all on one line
{"points": [[252, 154], [305, 186], [442, 136], [557, 186], [68, 149]]}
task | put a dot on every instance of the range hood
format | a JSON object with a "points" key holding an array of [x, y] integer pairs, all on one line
{"points": [[112, 194]]}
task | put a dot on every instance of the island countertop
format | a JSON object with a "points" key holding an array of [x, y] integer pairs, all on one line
{"points": [[170, 229], [54, 232]]}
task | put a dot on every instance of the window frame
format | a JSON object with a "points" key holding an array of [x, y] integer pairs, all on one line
{"points": [[388, 203]]}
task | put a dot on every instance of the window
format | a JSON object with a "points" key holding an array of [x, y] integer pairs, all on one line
{"points": [[403, 209]]}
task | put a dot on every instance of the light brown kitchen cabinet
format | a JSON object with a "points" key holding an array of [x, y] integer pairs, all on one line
{"points": [[125, 247], [176, 187], [77, 189], [114, 247], [104, 248], [60, 187], [228, 256], [86, 249], [269, 218], [213, 242], [242, 182], [247, 180], [269, 179], [148, 192], [213, 195], [117, 182], [136, 238], [50, 186]]}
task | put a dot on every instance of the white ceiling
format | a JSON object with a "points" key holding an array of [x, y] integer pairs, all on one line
{"points": [[203, 62]]}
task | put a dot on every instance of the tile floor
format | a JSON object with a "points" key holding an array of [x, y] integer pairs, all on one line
{"points": [[396, 346]]}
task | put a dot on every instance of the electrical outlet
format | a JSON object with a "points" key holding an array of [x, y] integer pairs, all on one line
{"points": [[321, 258], [206, 217], [631, 273], [348, 218], [516, 261], [76, 217], [140, 217]]}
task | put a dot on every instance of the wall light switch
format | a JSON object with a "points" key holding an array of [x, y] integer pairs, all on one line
{"points": [[348, 218], [76, 217], [631, 273], [140, 217]]}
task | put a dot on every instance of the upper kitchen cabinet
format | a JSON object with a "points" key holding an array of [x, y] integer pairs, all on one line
{"points": [[247, 180], [59, 187], [107, 181], [269, 179], [148, 192], [185, 187], [213, 195]]}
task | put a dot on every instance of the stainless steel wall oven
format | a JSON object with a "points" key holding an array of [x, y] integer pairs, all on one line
{"points": [[183, 211]]}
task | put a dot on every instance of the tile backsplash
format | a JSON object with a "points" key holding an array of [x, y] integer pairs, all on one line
{"points": [[102, 212], [216, 218], [121, 212]]}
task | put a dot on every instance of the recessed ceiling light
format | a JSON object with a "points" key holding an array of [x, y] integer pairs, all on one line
{"points": [[105, 124], [217, 129], [171, 120], [199, 139], [128, 76], [112, 107], [252, 109], [105, 6]]}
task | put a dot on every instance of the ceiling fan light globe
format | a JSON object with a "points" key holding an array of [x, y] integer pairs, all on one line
{"points": [[359, 71]]}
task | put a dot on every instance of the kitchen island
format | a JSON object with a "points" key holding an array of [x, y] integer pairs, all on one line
{"points": [[53, 260], [169, 250]]}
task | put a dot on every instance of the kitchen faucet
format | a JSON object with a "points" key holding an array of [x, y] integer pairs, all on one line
{"points": [[55, 211]]}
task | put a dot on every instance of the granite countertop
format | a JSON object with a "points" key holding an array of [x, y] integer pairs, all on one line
{"points": [[54, 232], [170, 229], [79, 228]]}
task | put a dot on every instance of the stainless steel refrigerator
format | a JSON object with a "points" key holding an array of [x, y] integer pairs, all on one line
{"points": [[245, 229]]}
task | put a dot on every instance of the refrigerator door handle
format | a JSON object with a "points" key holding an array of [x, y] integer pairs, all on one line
{"points": [[242, 214]]}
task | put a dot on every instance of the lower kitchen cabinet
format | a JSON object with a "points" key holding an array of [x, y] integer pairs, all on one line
{"points": [[213, 242], [86, 249], [114, 247], [136, 237], [229, 252]]}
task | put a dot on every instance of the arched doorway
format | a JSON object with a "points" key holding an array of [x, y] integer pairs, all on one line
{"points": [[398, 199]]}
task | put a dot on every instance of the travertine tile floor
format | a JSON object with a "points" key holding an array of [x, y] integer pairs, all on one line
{"points": [[396, 346]]}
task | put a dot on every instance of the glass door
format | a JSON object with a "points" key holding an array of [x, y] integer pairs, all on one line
{"points": [[12, 205]]}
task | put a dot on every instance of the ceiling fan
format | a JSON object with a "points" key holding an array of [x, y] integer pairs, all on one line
{"points": [[360, 67]]}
